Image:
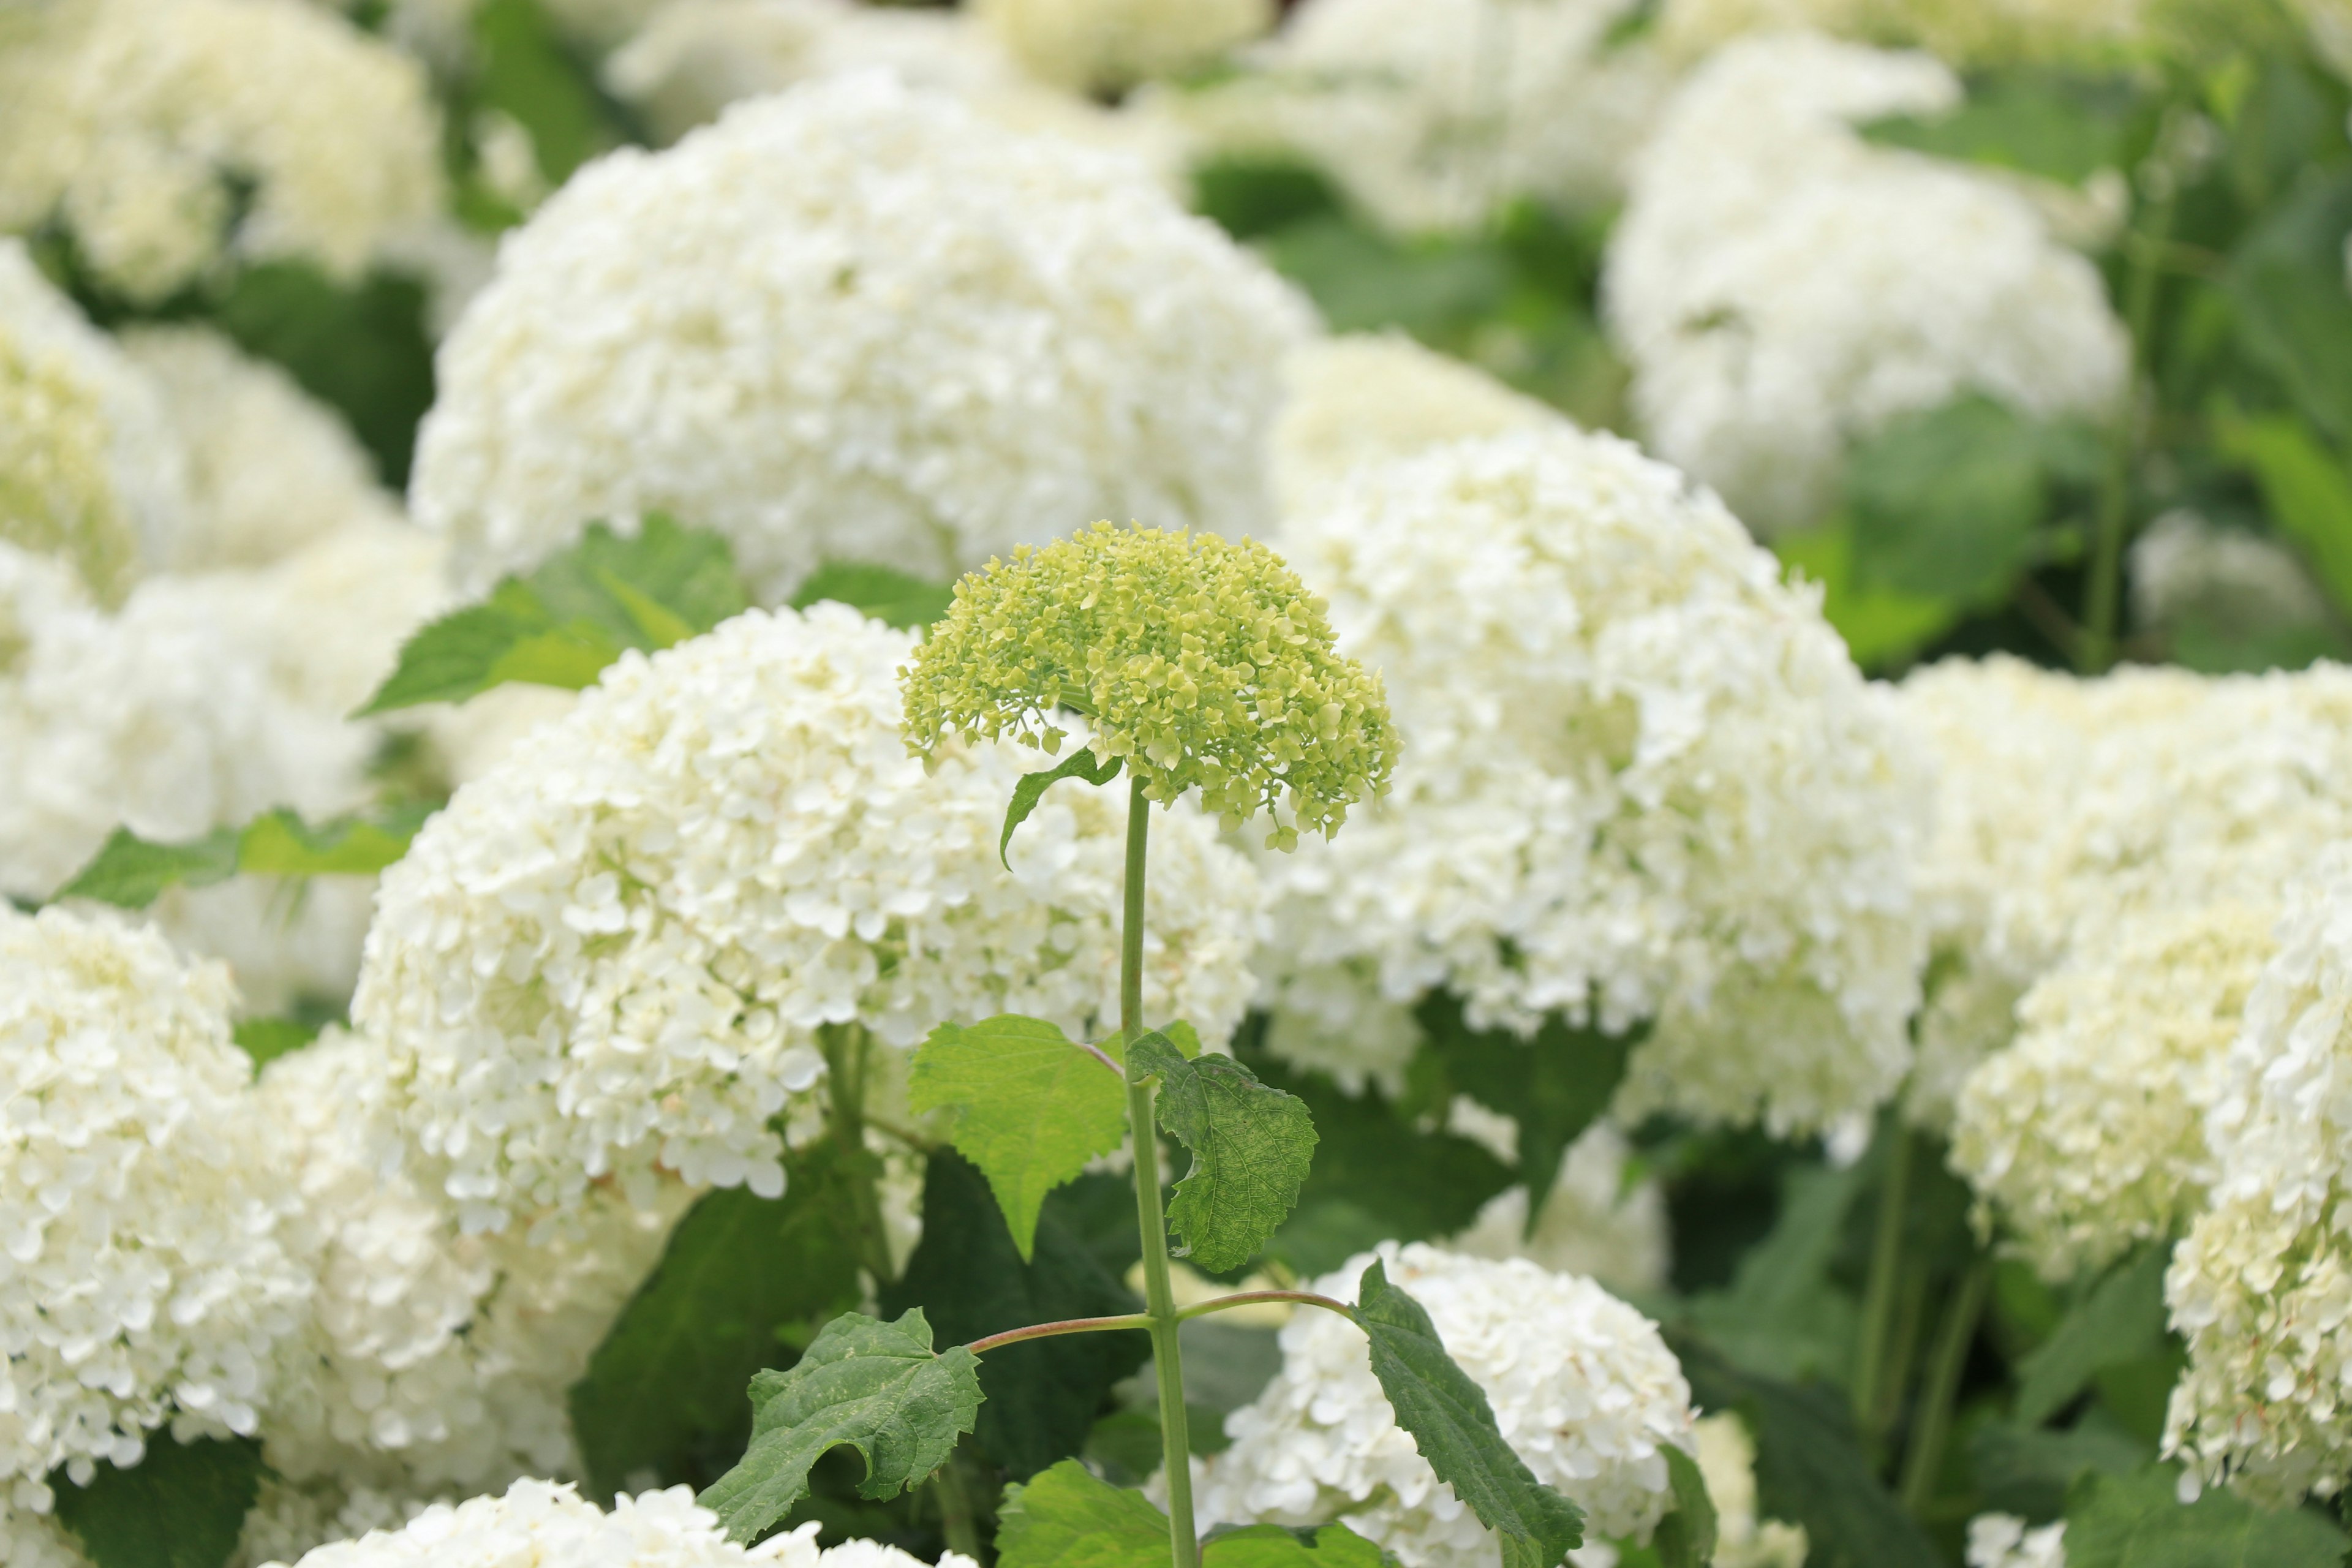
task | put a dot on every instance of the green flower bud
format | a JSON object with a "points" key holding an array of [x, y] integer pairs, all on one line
{"points": [[1203, 664]]}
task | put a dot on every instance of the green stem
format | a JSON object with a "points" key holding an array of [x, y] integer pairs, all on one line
{"points": [[1879, 1293], [1065, 1326], [2143, 262], [959, 1519], [1250, 1298], [1924, 1460], [1175, 1441], [845, 1048]]}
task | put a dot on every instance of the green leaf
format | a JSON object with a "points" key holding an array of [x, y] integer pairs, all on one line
{"points": [[1042, 1396], [2058, 128], [267, 1039], [1361, 280], [363, 348], [280, 844], [1685, 1538], [2285, 280], [1782, 1316], [131, 872], [1031, 787], [574, 615], [664, 1394], [2026, 1471], [1030, 1107], [522, 69], [1809, 1470], [1278, 1546], [1947, 502], [1251, 1147], [2140, 1521], [1248, 197], [873, 1386], [2121, 1319], [2304, 485], [183, 1506], [1454, 1428], [1065, 1518], [889, 595], [1881, 625], [1554, 1085]]}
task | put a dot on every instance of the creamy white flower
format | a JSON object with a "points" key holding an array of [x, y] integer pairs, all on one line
{"points": [[619, 953], [1361, 398], [1592, 1223], [289, 1519], [542, 1522], [2185, 571], [2005, 1540], [2262, 1287], [1782, 288], [854, 321], [35, 1539], [1584, 1390], [136, 124], [1965, 32], [269, 470], [1641, 781], [1726, 1458], [1108, 46], [1432, 113], [90, 471], [148, 1283]]}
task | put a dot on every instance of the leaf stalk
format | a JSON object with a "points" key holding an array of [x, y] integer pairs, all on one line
{"points": [[1065, 1326], [1251, 1298]]}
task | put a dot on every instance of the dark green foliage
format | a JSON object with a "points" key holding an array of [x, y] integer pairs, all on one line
{"points": [[131, 873], [183, 1506], [2120, 1319], [360, 348], [2140, 1521], [1947, 502], [2062, 128], [522, 68], [573, 615], [889, 595], [664, 1395], [2285, 282], [1685, 1538], [1249, 198], [970, 1281], [1454, 1428], [1251, 1147], [1783, 1315], [2027, 1472], [267, 1039]]}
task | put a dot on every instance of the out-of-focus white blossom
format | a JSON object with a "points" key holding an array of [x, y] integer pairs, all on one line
{"points": [[1108, 46], [268, 469], [1432, 113], [1726, 1458], [289, 1519], [90, 472], [1361, 398], [1584, 1390], [148, 1284], [543, 1523], [35, 1539], [1641, 781], [614, 955], [1783, 288], [2005, 1540], [2185, 571], [1592, 1223], [167, 136], [854, 322], [2262, 1287], [1965, 32]]}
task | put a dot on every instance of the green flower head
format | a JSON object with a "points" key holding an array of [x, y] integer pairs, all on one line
{"points": [[1202, 664]]}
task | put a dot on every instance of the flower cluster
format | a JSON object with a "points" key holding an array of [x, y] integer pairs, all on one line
{"points": [[615, 959], [89, 471], [1583, 1387], [1602, 1219], [2259, 1286], [854, 322], [540, 1521], [2188, 576], [1352, 400], [135, 124], [2005, 1540], [1108, 46], [1782, 288], [1642, 781], [1432, 113], [148, 1282], [1202, 664]]}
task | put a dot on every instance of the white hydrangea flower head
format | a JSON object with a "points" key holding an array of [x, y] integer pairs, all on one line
{"points": [[289, 1519], [1593, 1222], [2184, 570], [90, 472], [134, 125], [1641, 781], [2005, 1540], [1782, 288], [1584, 1390], [2089, 1132], [2262, 1287], [1367, 396], [1108, 46], [613, 956], [539, 1521], [1965, 32], [35, 1539], [1430, 114], [816, 328], [269, 470], [1727, 1459], [148, 1283]]}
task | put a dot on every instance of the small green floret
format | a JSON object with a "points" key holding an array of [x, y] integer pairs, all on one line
{"points": [[1202, 664]]}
